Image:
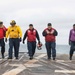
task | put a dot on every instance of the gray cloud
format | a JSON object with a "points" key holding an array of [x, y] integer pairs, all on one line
{"points": [[61, 13]]}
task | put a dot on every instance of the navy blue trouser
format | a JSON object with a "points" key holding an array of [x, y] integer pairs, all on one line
{"points": [[14, 42], [31, 48], [51, 46], [72, 48], [2, 44]]}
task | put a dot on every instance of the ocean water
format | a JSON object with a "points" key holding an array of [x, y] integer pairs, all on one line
{"points": [[61, 49]]}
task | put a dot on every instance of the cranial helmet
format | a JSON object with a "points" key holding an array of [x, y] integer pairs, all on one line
{"points": [[13, 22], [39, 46]]}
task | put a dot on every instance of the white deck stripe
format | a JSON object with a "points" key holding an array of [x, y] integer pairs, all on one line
{"points": [[32, 65], [23, 67], [60, 68], [21, 57], [63, 63], [6, 64], [65, 71], [31, 61], [0, 59], [40, 56], [6, 57], [15, 71]]}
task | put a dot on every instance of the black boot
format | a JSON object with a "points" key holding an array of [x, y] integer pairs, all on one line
{"points": [[49, 58], [53, 58], [16, 57], [31, 58], [2, 56], [9, 58], [70, 58]]}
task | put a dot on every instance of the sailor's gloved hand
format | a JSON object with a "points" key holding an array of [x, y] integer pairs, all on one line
{"points": [[69, 42], [20, 39], [5, 39]]}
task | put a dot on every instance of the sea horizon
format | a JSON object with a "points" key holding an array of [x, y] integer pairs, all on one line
{"points": [[60, 49]]}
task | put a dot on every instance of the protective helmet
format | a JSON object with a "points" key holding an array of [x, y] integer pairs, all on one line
{"points": [[39, 46], [12, 22], [1, 22]]}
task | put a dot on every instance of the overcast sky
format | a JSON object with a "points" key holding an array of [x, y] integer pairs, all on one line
{"points": [[61, 13]]}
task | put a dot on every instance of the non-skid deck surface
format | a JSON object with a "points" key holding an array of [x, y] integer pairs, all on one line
{"points": [[38, 66]]}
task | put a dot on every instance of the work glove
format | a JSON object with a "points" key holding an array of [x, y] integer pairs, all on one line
{"points": [[20, 39], [5, 39], [39, 42], [69, 42]]}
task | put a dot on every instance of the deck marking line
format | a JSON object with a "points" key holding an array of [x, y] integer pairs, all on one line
{"points": [[65, 71]]}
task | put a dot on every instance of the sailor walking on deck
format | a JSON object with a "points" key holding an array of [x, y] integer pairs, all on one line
{"points": [[72, 42], [50, 40], [15, 34], [2, 35], [31, 35]]}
